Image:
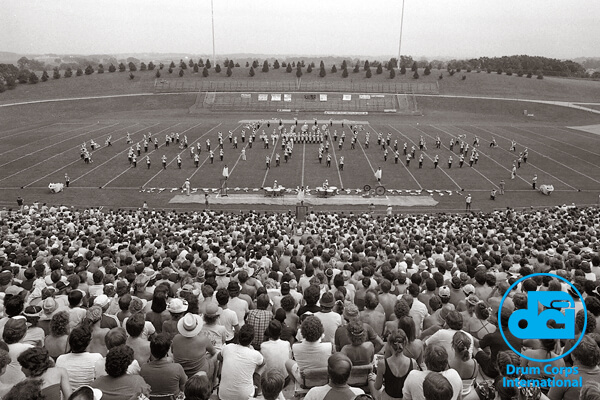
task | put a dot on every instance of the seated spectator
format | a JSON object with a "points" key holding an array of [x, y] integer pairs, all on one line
{"points": [[57, 342], [86, 393], [79, 363], [115, 337], [359, 351], [393, 370], [342, 334], [259, 318], [311, 353], [36, 364], [140, 345], [158, 313], [118, 385], [35, 335], [14, 331], [479, 326], [228, 318], [193, 351], [339, 367], [437, 387], [462, 361], [212, 329], [28, 389], [276, 351], [198, 387], [163, 375], [177, 309], [94, 318], [330, 320], [272, 384], [4, 361]]}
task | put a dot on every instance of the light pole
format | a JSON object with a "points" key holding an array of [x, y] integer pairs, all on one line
{"points": [[400, 40], [212, 15]]}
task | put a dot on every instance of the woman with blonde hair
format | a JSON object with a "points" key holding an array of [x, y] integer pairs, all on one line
{"points": [[392, 371]]}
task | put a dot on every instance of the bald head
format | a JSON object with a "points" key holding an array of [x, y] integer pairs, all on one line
{"points": [[338, 368]]}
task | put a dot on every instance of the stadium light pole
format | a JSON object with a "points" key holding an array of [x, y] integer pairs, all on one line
{"points": [[400, 39], [212, 16]]}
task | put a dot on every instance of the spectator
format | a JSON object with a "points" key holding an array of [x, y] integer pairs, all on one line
{"points": [[330, 320], [94, 318], [118, 385], [115, 337], [193, 351], [177, 309], [14, 331], [214, 331], [393, 370], [198, 387], [79, 363], [4, 361], [342, 334], [310, 353], [163, 375], [373, 314], [57, 343], [35, 363], [35, 335], [158, 310], [339, 367], [437, 387], [462, 361], [140, 346], [359, 351], [259, 319], [28, 389], [275, 351]]}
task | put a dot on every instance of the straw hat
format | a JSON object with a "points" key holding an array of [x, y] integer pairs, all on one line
{"points": [[190, 325]]}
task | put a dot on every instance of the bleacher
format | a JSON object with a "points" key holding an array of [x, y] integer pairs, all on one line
{"points": [[309, 102]]}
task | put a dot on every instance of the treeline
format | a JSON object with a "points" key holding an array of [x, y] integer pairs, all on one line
{"points": [[522, 64]]}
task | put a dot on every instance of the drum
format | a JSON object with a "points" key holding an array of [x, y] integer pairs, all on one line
{"points": [[380, 190]]}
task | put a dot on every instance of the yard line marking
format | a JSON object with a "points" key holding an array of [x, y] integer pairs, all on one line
{"points": [[481, 152], [121, 152], [426, 155], [74, 162], [26, 130], [335, 159], [507, 151], [558, 162], [556, 140], [270, 162], [575, 131], [239, 157], [46, 138], [49, 158], [303, 160], [171, 162], [54, 144]]}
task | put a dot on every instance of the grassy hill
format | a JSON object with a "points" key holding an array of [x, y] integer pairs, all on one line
{"points": [[475, 84]]}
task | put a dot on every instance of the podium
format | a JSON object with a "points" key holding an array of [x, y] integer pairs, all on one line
{"points": [[301, 211]]}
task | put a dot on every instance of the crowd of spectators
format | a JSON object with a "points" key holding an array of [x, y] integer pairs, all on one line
{"points": [[123, 304]]}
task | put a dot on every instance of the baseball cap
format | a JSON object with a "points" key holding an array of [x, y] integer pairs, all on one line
{"points": [[444, 291]]}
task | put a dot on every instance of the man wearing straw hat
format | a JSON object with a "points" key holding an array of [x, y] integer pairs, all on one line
{"points": [[190, 349]]}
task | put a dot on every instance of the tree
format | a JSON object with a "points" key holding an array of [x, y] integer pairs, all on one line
{"points": [[344, 73], [231, 64], [229, 71], [344, 65], [499, 71], [265, 67], [22, 62], [356, 68], [55, 73], [157, 73], [217, 68], [288, 68], [427, 71], [172, 65], [237, 65], [369, 73], [205, 72], [322, 72], [414, 67], [298, 71], [100, 68], [207, 63], [416, 75], [2, 87], [196, 68], [200, 63], [283, 64], [251, 73], [10, 82], [151, 66], [293, 64], [333, 69], [520, 73], [321, 65], [367, 65], [122, 67], [132, 67], [540, 76], [247, 64], [182, 64], [529, 74], [309, 68], [392, 73], [276, 64], [131, 75], [89, 70], [143, 66], [68, 72], [33, 78], [191, 63], [181, 72], [402, 70], [379, 69], [112, 68], [509, 72], [44, 76], [161, 66], [255, 64], [170, 70]]}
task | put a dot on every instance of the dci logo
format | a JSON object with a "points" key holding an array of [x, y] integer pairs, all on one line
{"points": [[549, 315]]}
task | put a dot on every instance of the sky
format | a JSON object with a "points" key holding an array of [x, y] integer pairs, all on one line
{"points": [[455, 29]]}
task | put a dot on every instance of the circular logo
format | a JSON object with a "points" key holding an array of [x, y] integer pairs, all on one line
{"points": [[502, 329]]}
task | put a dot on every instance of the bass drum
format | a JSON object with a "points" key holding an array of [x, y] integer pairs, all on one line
{"points": [[367, 188], [380, 190]]}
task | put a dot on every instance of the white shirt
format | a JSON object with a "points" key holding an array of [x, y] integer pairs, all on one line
{"points": [[239, 364], [276, 353], [80, 367], [413, 386]]}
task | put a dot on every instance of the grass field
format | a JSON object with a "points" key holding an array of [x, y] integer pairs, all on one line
{"points": [[35, 152]]}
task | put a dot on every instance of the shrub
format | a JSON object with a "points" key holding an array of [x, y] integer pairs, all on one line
{"points": [[251, 73], [540, 76], [441, 77], [143, 66], [414, 67], [182, 65], [68, 72], [499, 71], [217, 68], [207, 64], [200, 63], [247, 64], [402, 70], [79, 72], [416, 75], [265, 67], [288, 69], [366, 66], [205, 72], [232, 65], [112, 68], [309, 68], [170, 70], [195, 68], [181, 72], [172, 65], [298, 71], [468, 69], [458, 69], [55, 73], [33, 78], [131, 75], [100, 68], [489, 70], [529, 74], [369, 73], [2, 87], [451, 72], [509, 72], [276, 64], [44, 76], [356, 68], [379, 69], [161, 66], [157, 73], [519, 73], [344, 73], [237, 65], [89, 70], [132, 67], [333, 69], [254, 64], [464, 78], [151, 66], [11, 83], [392, 73], [229, 71], [344, 65], [427, 71], [322, 72], [191, 63]]}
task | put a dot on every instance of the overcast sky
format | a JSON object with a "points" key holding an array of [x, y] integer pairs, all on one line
{"points": [[459, 28]]}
